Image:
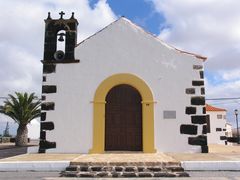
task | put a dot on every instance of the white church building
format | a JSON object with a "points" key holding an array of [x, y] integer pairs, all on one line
{"points": [[121, 89]]}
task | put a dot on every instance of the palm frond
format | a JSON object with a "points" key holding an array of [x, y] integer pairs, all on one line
{"points": [[22, 108]]}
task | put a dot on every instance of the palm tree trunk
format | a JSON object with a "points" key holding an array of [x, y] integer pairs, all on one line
{"points": [[22, 135]]}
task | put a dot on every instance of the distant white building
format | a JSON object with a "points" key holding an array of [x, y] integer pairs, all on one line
{"points": [[229, 132], [218, 125]]}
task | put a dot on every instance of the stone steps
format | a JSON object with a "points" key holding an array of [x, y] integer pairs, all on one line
{"points": [[163, 170]]}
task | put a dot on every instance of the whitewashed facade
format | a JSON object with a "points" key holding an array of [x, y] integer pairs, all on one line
{"points": [[170, 82], [229, 132], [218, 123]]}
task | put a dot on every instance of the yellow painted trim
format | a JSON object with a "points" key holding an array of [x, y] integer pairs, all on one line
{"points": [[99, 111]]}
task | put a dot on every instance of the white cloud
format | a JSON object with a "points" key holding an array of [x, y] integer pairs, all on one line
{"points": [[225, 89], [210, 28], [231, 75], [207, 27], [22, 37]]}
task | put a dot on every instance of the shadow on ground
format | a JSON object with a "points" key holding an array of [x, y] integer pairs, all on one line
{"points": [[9, 149]]}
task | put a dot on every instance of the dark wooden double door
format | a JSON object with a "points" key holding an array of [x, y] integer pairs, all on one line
{"points": [[123, 119]]}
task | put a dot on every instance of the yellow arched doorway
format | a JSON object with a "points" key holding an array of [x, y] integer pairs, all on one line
{"points": [[99, 111]]}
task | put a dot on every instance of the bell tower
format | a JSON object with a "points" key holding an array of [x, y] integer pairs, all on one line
{"points": [[59, 47], [60, 39]]}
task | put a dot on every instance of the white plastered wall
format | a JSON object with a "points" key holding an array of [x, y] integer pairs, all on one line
{"points": [[121, 48], [214, 136]]}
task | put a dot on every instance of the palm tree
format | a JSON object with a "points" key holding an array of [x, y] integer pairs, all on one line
{"points": [[22, 108]]}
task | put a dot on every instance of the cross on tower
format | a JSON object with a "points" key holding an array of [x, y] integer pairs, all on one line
{"points": [[61, 14]]}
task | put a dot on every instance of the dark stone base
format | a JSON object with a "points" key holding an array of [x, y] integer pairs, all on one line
{"points": [[188, 129], [223, 138], [190, 110], [232, 139], [204, 129], [204, 149], [201, 119], [190, 91], [198, 83], [199, 140], [43, 145], [49, 89], [198, 100], [43, 116], [47, 106], [197, 67], [47, 126], [49, 68]]}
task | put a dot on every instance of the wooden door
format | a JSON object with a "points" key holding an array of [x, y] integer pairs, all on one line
{"points": [[123, 119]]}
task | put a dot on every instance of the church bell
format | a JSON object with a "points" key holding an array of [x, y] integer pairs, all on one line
{"points": [[61, 39]]}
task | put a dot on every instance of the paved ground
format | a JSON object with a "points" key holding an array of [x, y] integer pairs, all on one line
{"points": [[227, 174], [216, 148], [13, 151], [27, 175], [206, 175], [6, 145], [42, 157], [181, 178], [217, 153], [191, 178], [9, 149], [205, 157], [124, 159]]}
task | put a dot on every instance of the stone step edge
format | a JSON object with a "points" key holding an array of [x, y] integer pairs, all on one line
{"points": [[79, 168], [171, 163], [124, 174]]}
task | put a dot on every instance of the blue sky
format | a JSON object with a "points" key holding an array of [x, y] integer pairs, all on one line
{"points": [[139, 11], [205, 27]]}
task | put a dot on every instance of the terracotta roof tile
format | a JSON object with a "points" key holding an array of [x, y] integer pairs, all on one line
{"points": [[211, 108]]}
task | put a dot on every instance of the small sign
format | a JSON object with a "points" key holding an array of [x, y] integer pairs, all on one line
{"points": [[169, 114]]}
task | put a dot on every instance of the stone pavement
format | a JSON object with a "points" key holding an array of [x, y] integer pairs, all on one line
{"points": [[205, 157], [220, 158], [9, 149], [12, 151], [216, 148], [11, 145], [41, 157], [123, 159], [217, 153], [181, 178]]}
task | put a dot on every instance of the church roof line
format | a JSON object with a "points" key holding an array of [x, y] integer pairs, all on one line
{"points": [[143, 30], [97, 32]]}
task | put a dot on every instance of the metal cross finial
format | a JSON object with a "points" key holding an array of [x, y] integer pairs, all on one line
{"points": [[49, 16], [72, 17], [61, 14]]}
